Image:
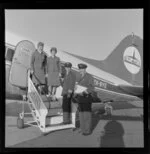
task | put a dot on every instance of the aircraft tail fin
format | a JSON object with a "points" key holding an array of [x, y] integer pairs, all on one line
{"points": [[126, 60]]}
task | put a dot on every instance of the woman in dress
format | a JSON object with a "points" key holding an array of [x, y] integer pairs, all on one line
{"points": [[38, 66], [53, 72]]}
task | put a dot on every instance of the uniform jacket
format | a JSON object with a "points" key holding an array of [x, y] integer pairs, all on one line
{"points": [[37, 65], [68, 83], [87, 81]]}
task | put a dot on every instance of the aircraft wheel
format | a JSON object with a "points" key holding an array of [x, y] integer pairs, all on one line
{"points": [[108, 110], [20, 123], [44, 134]]}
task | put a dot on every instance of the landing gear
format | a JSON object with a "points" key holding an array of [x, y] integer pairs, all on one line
{"points": [[108, 109]]}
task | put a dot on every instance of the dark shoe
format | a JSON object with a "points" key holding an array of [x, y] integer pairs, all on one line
{"points": [[65, 123], [85, 134], [77, 129], [74, 129]]}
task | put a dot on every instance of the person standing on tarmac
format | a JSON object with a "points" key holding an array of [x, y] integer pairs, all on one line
{"points": [[37, 65], [67, 93], [85, 100]]}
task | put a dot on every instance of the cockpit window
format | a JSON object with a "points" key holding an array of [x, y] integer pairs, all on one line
{"points": [[9, 54]]}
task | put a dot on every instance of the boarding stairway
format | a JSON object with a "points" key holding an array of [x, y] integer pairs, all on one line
{"points": [[41, 110]]}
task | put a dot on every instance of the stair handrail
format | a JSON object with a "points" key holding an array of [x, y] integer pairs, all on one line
{"points": [[39, 105]]}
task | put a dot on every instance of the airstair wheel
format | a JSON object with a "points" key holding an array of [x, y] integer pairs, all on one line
{"points": [[20, 123]]}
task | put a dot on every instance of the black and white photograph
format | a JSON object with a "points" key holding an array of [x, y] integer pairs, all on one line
{"points": [[74, 78]]}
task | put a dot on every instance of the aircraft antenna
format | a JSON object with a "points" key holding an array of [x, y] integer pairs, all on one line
{"points": [[133, 38]]}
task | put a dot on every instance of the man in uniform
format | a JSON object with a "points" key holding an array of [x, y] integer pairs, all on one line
{"points": [[85, 100], [67, 92], [38, 65]]}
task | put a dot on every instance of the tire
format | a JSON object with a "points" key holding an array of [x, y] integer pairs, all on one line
{"points": [[20, 123], [108, 110]]}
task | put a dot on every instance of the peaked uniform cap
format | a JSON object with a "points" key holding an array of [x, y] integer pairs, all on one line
{"points": [[82, 66], [68, 64]]}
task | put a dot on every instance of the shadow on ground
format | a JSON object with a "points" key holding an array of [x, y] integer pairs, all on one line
{"points": [[112, 135], [96, 117]]}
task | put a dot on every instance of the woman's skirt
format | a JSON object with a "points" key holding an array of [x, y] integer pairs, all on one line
{"points": [[38, 77], [53, 79]]}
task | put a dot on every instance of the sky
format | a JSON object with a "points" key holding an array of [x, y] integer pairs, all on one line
{"points": [[91, 33]]}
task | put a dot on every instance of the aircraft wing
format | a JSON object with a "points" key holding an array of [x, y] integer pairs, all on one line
{"points": [[132, 90], [101, 95]]}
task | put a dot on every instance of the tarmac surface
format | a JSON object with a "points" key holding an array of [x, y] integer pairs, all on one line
{"points": [[124, 128]]}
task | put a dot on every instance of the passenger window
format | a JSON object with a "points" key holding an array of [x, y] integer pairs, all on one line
{"points": [[9, 54]]}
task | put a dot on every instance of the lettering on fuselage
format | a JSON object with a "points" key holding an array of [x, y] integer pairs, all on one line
{"points": [[100, 84]]}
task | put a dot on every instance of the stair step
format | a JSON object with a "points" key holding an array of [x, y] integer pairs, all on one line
{"points": [[45, 98], [54, 125], [53, 105], [58, 127], [54, 112], [53, 120]]}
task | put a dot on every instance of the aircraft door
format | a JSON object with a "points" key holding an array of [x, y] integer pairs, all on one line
{"points": [[21, 63]]}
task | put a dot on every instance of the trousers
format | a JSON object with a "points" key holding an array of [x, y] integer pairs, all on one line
{"points": [[85, 115], [66, 106]]}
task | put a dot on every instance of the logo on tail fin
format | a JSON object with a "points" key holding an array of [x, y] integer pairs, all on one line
{"points": [[132, 59]]}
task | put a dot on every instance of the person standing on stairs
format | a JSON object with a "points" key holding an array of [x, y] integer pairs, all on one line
{"points": [[37, 66], [53, 73]]}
